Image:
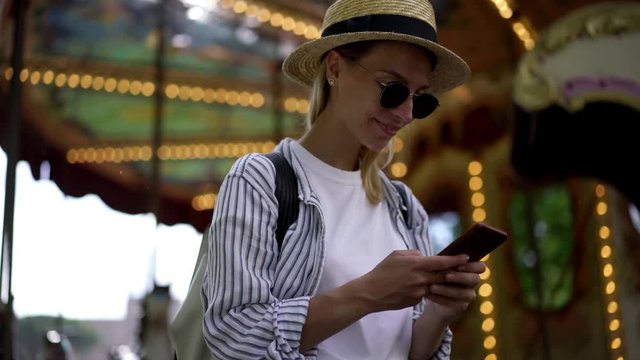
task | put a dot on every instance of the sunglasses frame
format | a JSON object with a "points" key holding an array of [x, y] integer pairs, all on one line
{"points": [[385, 86]]}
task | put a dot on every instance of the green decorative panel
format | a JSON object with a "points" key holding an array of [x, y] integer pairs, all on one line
{"points": [[542, 227]]}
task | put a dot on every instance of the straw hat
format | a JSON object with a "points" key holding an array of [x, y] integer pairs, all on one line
{"points": [[348, 21]]}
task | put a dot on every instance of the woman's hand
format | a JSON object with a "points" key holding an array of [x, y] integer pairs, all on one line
{"points": [[455, 289], [403, 278]]}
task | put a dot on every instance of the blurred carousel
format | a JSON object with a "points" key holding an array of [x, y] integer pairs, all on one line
{"points": [[148, 103]]}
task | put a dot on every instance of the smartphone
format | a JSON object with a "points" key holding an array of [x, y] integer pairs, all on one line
{"points": [[477, 242]]}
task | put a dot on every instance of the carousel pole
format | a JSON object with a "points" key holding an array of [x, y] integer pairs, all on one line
{"points": [[155, 203], [276, 94], [12, 150], [154, 188]]}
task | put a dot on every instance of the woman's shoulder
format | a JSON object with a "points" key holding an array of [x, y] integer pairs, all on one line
{"points": [[253, 164], [400, 186], [255, 168], [397, 186], [250, 163], [407, 199]]}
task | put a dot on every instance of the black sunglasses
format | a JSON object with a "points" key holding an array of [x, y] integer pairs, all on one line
{"points": [[393, 94]]}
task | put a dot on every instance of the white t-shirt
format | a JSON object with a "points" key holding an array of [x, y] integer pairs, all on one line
{"points": [[358, 235]]}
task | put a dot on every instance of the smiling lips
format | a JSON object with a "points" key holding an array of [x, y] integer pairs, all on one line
{"points": [[388, 129]]}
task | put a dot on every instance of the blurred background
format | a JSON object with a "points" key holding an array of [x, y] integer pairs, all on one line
{"points": [[120, 118]]}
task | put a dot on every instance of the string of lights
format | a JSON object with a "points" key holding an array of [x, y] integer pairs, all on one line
{"points": [[305, 28], [606, 261], [520, 25], [135, 87], [485, 291]]}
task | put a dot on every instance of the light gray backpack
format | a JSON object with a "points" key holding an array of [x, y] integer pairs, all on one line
{"points": [[186, 328]]}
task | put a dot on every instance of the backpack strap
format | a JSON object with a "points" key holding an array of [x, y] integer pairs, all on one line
{"points": [[286, 193], [403, 203]]}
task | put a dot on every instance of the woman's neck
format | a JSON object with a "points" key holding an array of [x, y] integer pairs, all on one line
{"points": [[330, 141]]}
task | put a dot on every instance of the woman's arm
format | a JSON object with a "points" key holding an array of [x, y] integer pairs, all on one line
{"points": [[431, 335], [447, 300], [333, 311]]}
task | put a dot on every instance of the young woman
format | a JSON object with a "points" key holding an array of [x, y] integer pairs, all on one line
{"points": [[354, 278]]}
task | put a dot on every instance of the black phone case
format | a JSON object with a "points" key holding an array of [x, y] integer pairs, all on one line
{"points": [[476, 242]]}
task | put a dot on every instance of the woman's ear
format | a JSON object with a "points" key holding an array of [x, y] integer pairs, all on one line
{"points": [[333, 65]]}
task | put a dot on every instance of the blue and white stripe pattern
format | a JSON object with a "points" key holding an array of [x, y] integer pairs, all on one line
{"points": [[256, 296]]}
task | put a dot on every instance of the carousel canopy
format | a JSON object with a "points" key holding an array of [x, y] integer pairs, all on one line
{"points": [[100, 77]]}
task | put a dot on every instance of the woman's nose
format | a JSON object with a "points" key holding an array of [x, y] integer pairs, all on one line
{"points": [[405, 110]]}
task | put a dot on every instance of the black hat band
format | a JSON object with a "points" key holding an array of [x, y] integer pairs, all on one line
{"points": [[384, 23]]}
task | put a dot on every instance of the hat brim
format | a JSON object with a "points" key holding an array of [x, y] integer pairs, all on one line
{"points": [[303, 63]]}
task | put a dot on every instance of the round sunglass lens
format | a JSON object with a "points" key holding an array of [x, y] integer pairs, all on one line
{"points": [[393, 95], [424, 105]]}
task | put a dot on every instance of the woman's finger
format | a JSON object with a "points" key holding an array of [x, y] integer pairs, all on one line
{"points": [[473, 267], [456, 293], [466, 279]]}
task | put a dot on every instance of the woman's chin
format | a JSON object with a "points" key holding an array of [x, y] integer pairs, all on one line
{"points": [[377, 146]]}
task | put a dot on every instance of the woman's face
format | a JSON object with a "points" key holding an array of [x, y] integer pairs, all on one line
{"points": [[358, 87]]}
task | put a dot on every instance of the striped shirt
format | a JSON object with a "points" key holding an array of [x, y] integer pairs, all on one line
{"points": [[256, 295]]}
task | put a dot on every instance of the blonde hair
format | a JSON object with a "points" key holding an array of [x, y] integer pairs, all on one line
{"points": [[371, 162]]}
